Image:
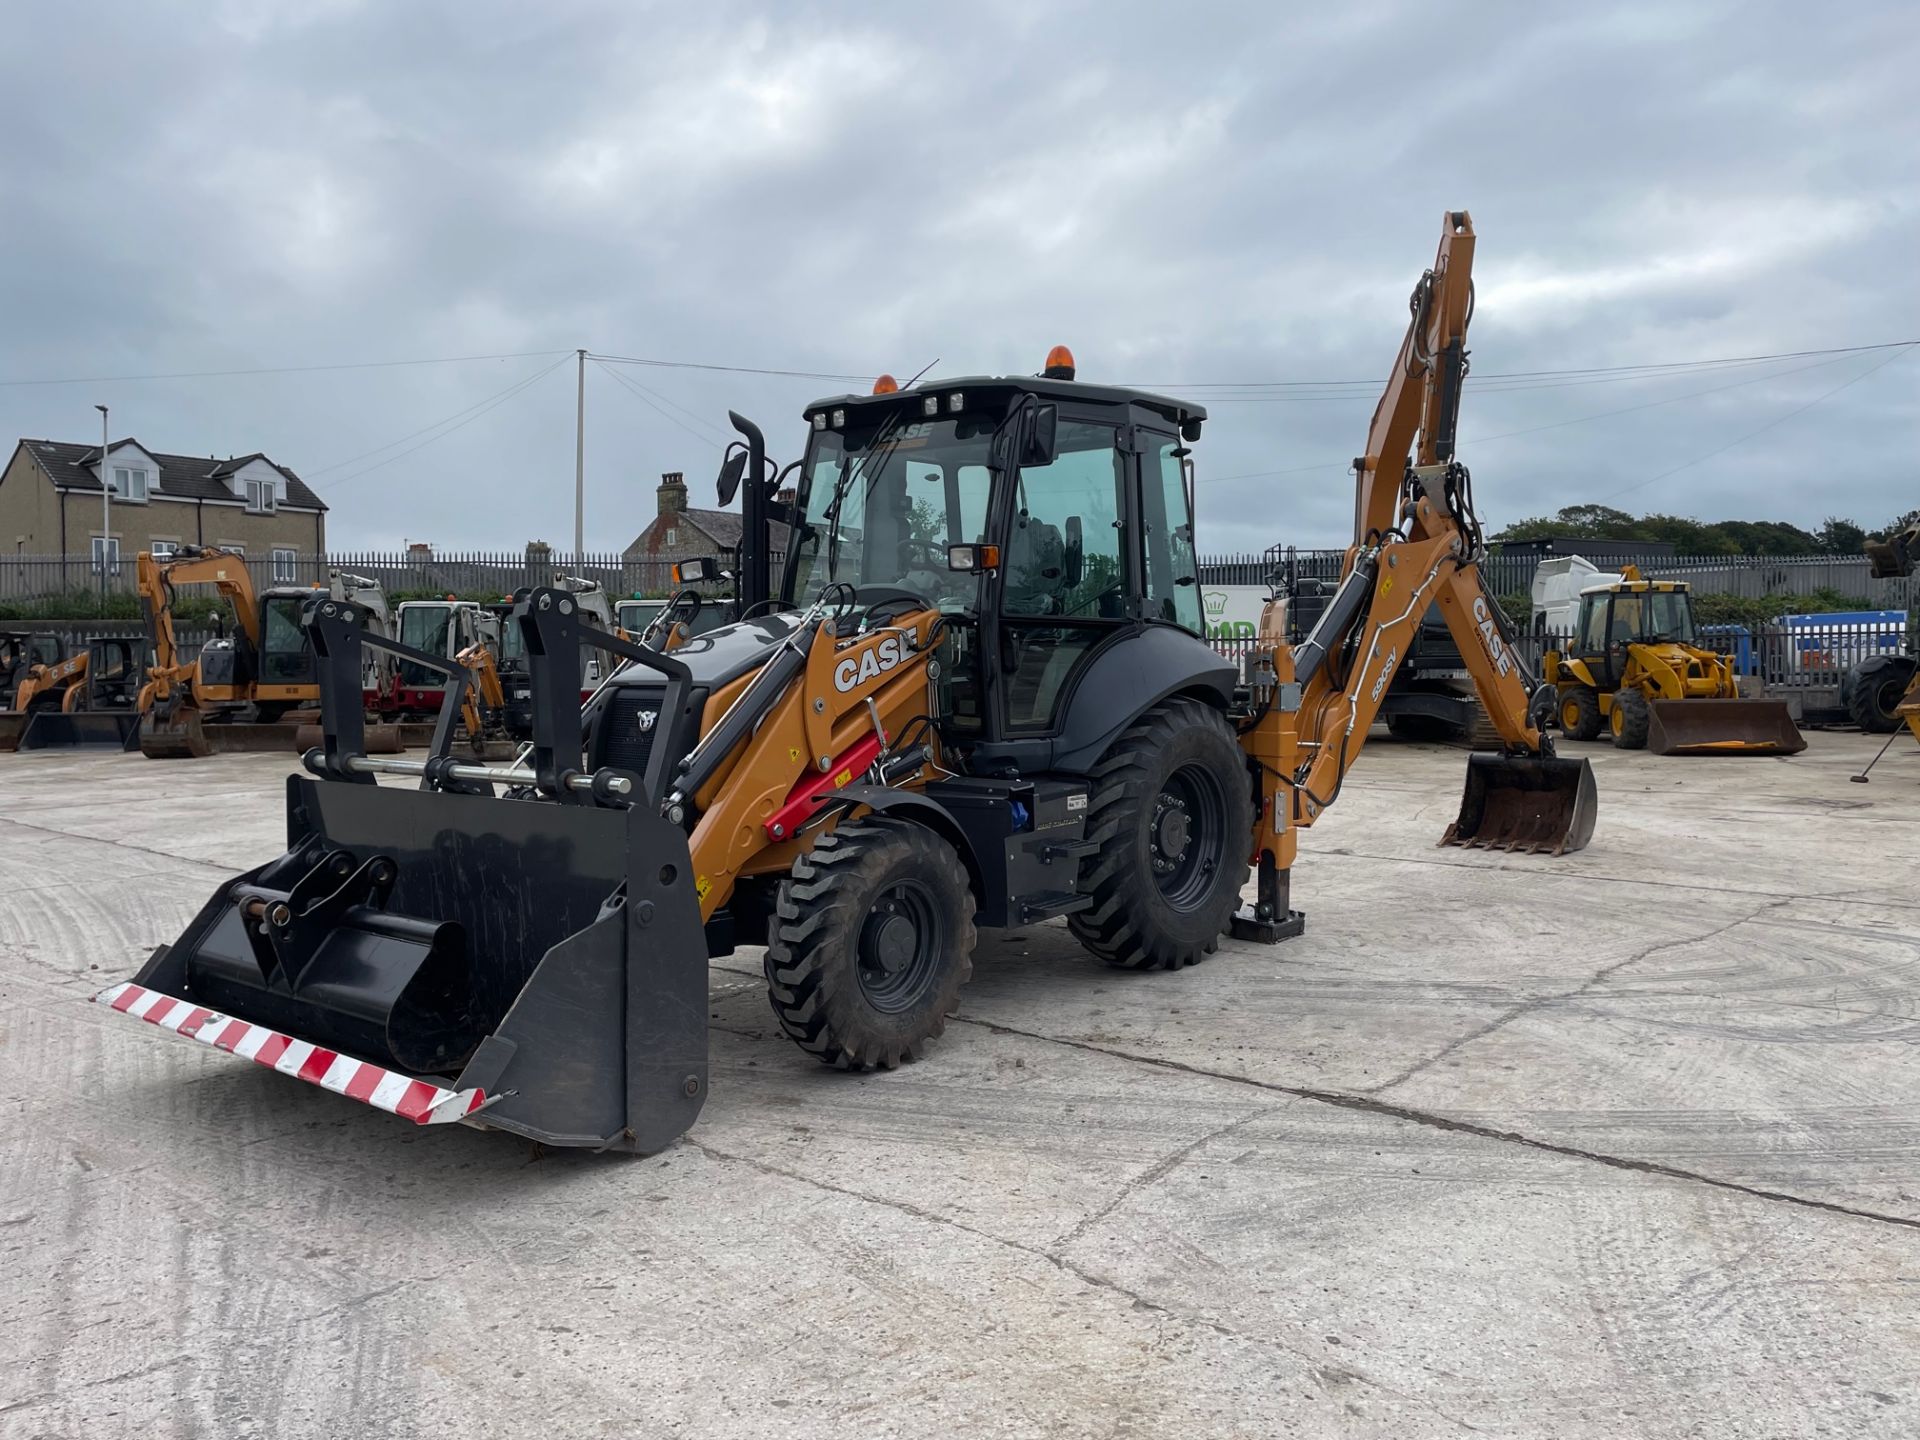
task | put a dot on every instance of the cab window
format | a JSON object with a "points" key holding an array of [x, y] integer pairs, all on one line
{"points": [[1063, 548]]}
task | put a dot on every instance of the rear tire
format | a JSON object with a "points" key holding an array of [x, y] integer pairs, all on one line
{"points": [[1172, 814], [1580, 714], [1874, 688], [870, 941], [1630, 719]]}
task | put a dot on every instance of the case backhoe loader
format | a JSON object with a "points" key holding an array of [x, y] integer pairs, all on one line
{"points": [[21, 652], [977, 696], [1634, 671], [88, 700]]}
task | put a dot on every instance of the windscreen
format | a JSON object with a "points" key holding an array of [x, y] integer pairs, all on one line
{"points": [[883, 501], [424, 627], [283, 646]]}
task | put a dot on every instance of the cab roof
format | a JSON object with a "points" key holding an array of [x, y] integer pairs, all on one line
{"points": [[1636, 587], [1069, 391]]}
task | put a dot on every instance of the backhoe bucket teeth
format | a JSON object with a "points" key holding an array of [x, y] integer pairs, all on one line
{"points": [[81, 730], [539, 968], [1722, 727], [1535, 804]]}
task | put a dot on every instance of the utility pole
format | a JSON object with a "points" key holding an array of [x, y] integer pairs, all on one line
{"points": [[580, 463], [106, 507]]}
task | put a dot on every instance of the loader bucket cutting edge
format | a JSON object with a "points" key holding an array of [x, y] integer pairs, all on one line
{"points": [[420, 1101], [1535, 804], [549, 957], [81, 730], [1722, 727]]}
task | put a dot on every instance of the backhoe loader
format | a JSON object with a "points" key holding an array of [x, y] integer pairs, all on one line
{"points": [[88, 700], [1634, 671], [262, 671], [1883, 692], [978, 696], [22, 651]]}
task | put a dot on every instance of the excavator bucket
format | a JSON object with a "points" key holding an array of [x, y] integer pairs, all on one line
{"points": [[1541, 805], [81, 730], [538, 968], [1723, 727]]}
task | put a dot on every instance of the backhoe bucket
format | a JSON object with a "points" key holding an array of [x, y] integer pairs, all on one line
{"points": [[1530, 803], [81, 730], [176, 737], [1723, 727], [534, 967]]}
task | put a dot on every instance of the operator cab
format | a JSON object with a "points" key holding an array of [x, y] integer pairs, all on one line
{"points": [[1044, 518], [1626, 613]]}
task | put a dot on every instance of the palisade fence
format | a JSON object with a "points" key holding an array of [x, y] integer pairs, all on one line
{"points": [[1747, 576], [478, 574]]}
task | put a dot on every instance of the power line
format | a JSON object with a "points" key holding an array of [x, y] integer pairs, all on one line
{"points": [[365, 454], [1836, 357], [470, 414], [1880, 364], [649, 397], [726, 369], [1670, 365], [287, 369]]}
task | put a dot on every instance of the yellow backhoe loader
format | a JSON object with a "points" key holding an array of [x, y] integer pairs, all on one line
{"points": [[1634, 671], [979, 695]]}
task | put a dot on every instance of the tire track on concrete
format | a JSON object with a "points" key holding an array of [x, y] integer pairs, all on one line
{"points": [[1371, 1105], [168, 855], [1326, 1375], [1540, 1002]]}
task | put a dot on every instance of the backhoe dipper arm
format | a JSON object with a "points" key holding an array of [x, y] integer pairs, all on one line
{"points": [[1416, 544], [156, 578]]}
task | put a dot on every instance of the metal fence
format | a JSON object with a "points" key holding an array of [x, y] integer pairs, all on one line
{"points": [[469, 574], [1805, 664], [1748, 576]]}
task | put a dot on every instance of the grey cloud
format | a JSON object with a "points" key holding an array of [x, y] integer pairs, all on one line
{"points": [[1222, 192]]}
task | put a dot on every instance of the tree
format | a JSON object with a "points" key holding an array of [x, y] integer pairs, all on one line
{"points": [[1839, 537]]}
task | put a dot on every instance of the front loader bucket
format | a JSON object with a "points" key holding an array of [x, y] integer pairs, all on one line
{"points": [[13, 724], [1525, 802], [81, 730], [1723, 727], [534, 967]]}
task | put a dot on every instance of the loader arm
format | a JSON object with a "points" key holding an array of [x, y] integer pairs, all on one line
{"points": [[69, 675]]}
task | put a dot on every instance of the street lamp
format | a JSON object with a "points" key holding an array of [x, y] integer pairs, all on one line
{"points": [[106, 506]]}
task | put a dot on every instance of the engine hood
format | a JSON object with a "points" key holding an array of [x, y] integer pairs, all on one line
{"points": [[721, 656]]}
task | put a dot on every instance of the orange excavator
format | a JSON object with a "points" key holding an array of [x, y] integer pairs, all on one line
{"points": [[979, 695]]}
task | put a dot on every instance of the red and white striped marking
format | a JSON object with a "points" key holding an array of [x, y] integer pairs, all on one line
{"points": [[388, 1090]]}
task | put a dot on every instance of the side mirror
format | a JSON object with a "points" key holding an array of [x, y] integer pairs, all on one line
{"points": [[1042, 439], [1073, 565], [731, 469], [702, 571]]}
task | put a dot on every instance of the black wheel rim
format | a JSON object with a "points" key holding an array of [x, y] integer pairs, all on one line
{"points": [[1186, 835], [900, 944]]}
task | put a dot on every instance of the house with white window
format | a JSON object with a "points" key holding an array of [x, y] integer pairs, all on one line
{"points": [[50, 505]]}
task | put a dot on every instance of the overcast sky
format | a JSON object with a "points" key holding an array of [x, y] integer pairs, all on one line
{"points": [[1185, 195]]}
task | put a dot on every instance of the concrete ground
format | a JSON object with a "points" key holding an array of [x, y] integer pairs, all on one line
{"points": [[1621, 1144]]}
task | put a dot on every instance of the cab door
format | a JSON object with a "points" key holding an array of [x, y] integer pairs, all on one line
{"points": [[1066, 577]]}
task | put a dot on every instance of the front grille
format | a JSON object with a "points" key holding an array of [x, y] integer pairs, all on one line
{"points": [[623, 739]]}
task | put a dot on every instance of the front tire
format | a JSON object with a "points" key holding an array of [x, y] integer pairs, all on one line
{"points": [[1172, 814], [870, 941], [1631, 718], [1580, 712]]}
